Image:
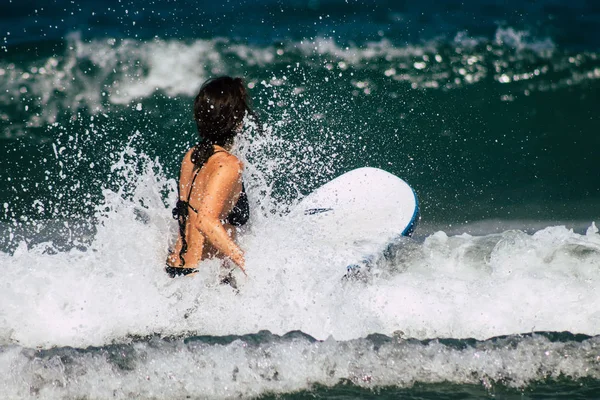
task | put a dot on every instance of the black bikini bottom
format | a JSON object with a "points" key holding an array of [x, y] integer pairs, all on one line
{"points": [[174, 272]]}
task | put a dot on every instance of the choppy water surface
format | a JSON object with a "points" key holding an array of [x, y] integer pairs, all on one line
{"points": [[489, 113]]}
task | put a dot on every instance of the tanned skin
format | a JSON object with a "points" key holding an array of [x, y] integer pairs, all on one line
{"points": [[216, 191]]}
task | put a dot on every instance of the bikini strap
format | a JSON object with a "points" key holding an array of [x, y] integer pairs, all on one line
{"points": [[181, 212], [192, 184], [196, 175]]}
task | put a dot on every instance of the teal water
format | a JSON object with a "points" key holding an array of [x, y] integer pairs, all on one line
{"points": [[473, 146], [489, 112]]}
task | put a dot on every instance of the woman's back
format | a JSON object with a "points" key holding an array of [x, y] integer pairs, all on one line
{"points": [[210, 180], [211, 191]]}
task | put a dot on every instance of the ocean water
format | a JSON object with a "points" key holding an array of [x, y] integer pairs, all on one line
{"points": [[490, 110]]}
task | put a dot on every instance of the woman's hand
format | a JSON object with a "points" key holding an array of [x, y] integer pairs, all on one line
{"points": [[239, 260]]}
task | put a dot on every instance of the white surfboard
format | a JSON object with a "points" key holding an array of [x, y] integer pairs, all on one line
{"points": [[364, 210]]}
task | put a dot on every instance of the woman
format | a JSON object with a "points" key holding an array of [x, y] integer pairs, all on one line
{"points": [[212, 200]]}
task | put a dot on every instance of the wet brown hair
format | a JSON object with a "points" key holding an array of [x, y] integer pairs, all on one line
{"points": [[219, 110]]}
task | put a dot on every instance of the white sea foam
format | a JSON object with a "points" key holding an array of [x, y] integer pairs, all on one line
{"points": [[92, 75], [244, 368], [445, 286], [521, 40]]}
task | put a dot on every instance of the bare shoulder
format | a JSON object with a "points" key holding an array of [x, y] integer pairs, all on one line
{"points": [[226, 161], [187, 166], [188, 155], [223, 169]]}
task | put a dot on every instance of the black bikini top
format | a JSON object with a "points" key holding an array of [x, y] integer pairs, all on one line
{"points": [[238, 216]]}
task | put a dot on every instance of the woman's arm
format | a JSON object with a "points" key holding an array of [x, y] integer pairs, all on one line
{"points": [[223, 180]]}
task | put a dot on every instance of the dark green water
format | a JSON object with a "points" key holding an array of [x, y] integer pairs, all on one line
{"points": [[521, 150], [549, 390], [491, 112]]}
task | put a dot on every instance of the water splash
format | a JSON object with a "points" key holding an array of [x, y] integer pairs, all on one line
{"points": [[446, 286]]}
